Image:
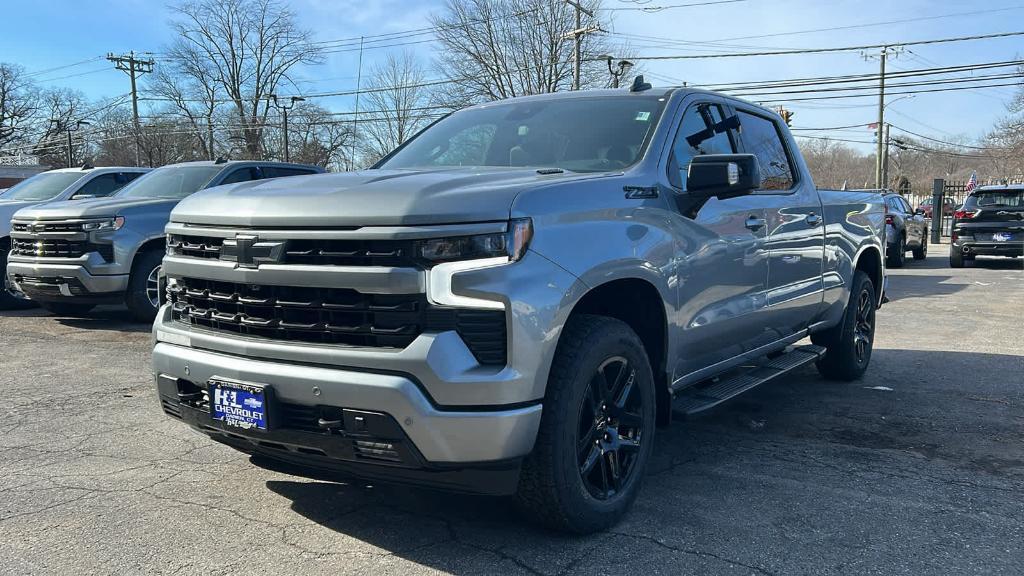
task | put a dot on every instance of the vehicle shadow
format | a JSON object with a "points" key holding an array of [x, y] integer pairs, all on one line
{"points": [[905, 286], [899, 410], [106, 318]]}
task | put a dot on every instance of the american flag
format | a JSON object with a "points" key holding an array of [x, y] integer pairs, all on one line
{"points": [[972, 183]]}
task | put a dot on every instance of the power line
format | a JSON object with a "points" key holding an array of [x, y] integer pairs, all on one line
{"points": [[828, 50]]}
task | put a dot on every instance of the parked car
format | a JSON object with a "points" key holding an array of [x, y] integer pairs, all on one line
{"points": [[51, 186], [990, 223], [948, 207], [905, 229], [508, 302], [71, 256]]}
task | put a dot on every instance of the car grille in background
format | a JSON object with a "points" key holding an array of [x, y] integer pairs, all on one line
{"points": [[315, 252], [332, 316], [49, 248]]}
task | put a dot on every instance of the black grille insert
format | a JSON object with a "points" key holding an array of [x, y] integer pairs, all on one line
{"points": [[49, 248], [332, 316]]}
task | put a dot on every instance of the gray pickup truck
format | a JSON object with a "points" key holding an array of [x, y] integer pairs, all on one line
{"points": [[514, 299], [71, 256], [53, 186]]}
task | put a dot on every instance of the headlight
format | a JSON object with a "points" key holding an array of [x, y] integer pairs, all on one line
{"points": [[511, 244], [108, 224]]}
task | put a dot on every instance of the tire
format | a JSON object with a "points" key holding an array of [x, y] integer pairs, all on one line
{"points": [[956, 259], [143, 285], [595, 354], [897, 257], [67, 308], [849, 344], [10, 300], [921, 252]]}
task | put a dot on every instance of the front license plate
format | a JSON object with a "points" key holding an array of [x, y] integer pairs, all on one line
{"points": [[1002, 236], [239, 404]]}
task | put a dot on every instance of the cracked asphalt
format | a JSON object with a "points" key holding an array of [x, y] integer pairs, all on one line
{"points": [[916, 469]]}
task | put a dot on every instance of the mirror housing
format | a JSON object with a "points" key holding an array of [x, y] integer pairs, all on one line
{"points": [[919, 211], [723, 175]]}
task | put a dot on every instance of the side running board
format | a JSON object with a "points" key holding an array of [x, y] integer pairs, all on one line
{"points": [[711, 393]]}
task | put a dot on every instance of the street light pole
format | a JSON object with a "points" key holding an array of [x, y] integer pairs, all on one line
{"points": [[284, 108], [69, 130], [623, 66]]}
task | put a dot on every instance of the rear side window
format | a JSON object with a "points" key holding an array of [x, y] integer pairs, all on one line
{"points": [[696, 137], [102, 185], [242, 175], [761, 138], [281, 171]]}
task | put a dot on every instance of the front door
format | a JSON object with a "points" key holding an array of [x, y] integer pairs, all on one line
{"points": [[722, 254]]}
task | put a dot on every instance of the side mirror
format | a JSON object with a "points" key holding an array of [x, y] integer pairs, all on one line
{"points": [[82, 197], [723, 175], [919, 211]]}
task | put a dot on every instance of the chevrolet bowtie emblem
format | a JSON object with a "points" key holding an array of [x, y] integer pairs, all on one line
{"points": [[248, 252]]}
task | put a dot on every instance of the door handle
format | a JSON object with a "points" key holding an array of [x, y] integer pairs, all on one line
{"points": [[813, 219], [754, 223]]}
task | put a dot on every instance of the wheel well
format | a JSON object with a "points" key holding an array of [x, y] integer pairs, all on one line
{"points": [[870, 261], [639, 304], [153, 244]]}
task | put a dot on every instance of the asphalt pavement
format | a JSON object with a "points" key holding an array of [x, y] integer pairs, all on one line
{"points": [[916, 469]]}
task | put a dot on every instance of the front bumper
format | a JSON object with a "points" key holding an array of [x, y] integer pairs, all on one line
{"points": [[51, 281], [438, 437]]}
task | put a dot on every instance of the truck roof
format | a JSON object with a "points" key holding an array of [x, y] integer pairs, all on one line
{"points": [[659, 91], [89, 169], [237, 162]]}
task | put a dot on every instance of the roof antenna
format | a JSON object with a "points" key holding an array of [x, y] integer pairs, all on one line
{"points": [[639, 85], [220, 160], [87, 166]]}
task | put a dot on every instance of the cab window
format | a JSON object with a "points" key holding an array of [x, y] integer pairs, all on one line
{"points": [[761, 137], [697, 137], [100, 186]]}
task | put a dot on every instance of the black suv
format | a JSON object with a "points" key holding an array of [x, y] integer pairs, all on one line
{"points": [[905, 229], [990, 223]]}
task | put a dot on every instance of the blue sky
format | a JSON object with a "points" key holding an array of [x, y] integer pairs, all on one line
{"points": [[73, 31]]}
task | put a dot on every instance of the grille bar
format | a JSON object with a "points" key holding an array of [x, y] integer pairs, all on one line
{"points": [[319, 252], [49, 248]]}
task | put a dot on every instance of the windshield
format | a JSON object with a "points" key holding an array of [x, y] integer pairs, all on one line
{"points": [[170, 182], [577, 134], [1012, 198], [41, 187]]}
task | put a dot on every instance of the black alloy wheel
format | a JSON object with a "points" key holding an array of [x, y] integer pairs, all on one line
{"points": [[610, 428]]}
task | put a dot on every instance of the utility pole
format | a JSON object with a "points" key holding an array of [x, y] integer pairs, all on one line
{"points": [[284, 108], [577, 36], [882, 57], [135, 68], [885, 160]]}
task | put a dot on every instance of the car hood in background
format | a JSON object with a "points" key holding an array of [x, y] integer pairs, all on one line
{"points": [[93, 208]]}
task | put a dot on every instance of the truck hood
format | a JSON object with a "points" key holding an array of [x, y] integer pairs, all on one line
{"points": [[94, 208], [368, 198]]}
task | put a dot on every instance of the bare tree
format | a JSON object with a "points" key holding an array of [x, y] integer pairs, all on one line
{"points": [[61, 107], [244, 48], [398, 105], [315, 137], [493, 49], [18, 104]]}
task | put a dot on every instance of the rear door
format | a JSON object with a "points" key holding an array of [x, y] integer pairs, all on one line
{"points": [[796, 227], [723, 261]]}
